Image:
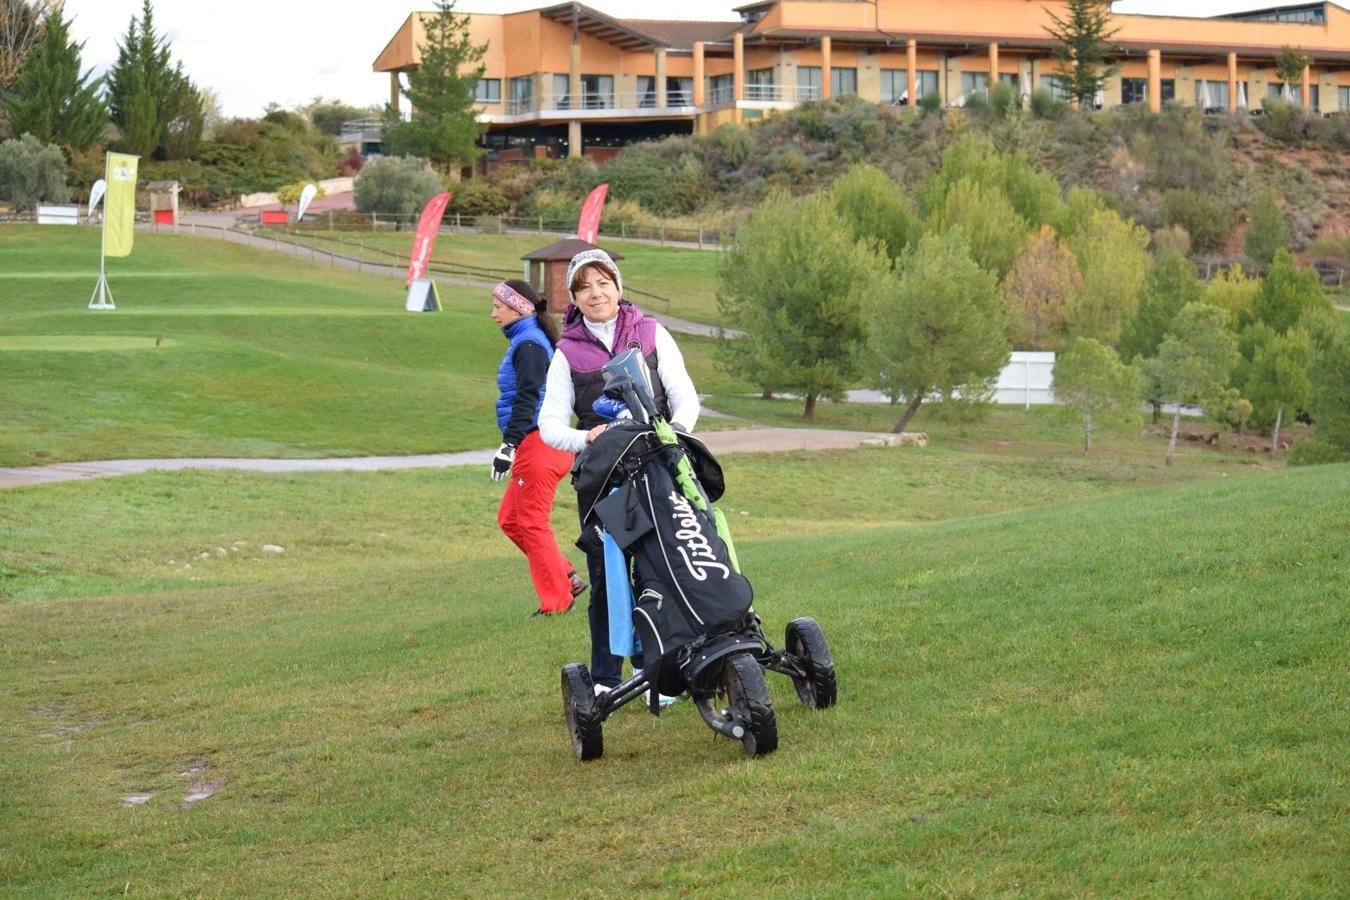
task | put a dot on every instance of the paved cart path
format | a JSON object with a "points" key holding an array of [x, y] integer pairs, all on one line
{"points": [[746, 440]]}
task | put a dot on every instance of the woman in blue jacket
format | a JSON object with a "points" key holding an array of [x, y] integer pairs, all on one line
{"points": [[534, 467]]}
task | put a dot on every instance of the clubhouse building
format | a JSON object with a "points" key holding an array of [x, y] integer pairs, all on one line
{"points": [[567, 79]]}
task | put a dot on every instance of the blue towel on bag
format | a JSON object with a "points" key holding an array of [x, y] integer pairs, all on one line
{"points": [[619, 598]]}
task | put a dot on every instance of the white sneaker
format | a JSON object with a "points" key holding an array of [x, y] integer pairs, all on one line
{"points": [[601, 689]]}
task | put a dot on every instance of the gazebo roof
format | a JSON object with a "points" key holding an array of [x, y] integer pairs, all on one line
{"points": [[565, 250]]}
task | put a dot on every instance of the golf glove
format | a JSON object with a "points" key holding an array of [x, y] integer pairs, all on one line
{"points": [[501, 463]]}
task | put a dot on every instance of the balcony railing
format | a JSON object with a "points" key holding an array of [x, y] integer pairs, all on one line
{"points": [[596, 100], [781, 93]]}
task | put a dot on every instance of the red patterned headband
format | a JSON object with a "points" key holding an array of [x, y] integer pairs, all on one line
{"points": [[512, 298]]}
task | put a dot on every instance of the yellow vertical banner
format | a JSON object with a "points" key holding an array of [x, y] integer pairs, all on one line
{"points": [[119, 205]]}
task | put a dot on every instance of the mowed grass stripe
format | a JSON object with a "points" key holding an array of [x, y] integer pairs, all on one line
{"points": [[1141, 693]]}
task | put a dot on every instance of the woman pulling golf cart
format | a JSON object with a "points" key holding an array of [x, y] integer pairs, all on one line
{"points": [[535, 467], [599, 325]]}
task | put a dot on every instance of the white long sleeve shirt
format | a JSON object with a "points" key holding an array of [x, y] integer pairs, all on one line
{"points": [[555, 415]]}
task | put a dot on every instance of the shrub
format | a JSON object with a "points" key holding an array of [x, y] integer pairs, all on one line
{"points": [[930, 103], [1283, 122], [32, 172], [1002, 101], [396, 185], [1044, 105], [479, 197], [1315, 453], [1207, 219], [1267, 231]]}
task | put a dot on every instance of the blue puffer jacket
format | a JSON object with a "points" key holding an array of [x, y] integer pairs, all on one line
{"points": [[518, 332]]}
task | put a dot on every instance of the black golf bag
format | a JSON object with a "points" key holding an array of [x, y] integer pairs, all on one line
{"points": [[687, 590]]}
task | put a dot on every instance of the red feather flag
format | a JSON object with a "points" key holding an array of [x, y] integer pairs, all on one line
{"points": [[589, 225], [427, 227]]}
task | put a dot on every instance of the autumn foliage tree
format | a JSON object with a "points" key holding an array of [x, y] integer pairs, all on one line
{"points": [[1042, 288]]}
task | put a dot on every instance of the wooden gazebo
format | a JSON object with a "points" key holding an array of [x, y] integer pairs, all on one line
{"points": [[546, 269]]}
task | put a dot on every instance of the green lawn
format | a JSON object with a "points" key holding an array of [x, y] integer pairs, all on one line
{"points": [[221, 350], [1061, 674], [685, 277], [1139, 691]]}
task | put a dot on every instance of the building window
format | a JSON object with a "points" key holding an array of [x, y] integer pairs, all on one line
{"points": [[1133, 90], [927, 82], [597, 91], [1167, 87], [680, 91], [488, 90], [522, 94], [895, 86], [1211, 95], [1057, 86], [646, 90], [1314, 97], [721, 89], [1275, 90], [808, 82], [759, 85], [1008, 78], [1344, 96], [843, 81], [974, 83], [561, 88]]}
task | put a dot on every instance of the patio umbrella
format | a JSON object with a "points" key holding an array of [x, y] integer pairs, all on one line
{"points": [[1287, 93], [1206, 102], [1024, 87], [1242, 94]]}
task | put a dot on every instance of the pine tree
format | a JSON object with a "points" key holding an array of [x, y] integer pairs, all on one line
{"points": [[52, 100], [444, 125], [1082, 46], [154, 104]]}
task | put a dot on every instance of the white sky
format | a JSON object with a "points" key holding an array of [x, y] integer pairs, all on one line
{"points": [[253, 52]]}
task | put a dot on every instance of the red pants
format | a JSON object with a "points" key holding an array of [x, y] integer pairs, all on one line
{"points": [[524, 518]]}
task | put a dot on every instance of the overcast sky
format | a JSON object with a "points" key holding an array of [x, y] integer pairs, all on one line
{"points": [[254, 52]]}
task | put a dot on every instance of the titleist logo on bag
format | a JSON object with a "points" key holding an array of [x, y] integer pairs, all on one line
{"points": [[697, 554]]}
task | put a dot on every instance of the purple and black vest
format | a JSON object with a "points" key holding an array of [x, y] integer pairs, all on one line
{"points": [[586, 355]]}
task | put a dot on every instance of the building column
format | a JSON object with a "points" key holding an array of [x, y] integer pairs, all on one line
{"points": [[661, 77], [825, 49], [1307, 87], [1232, 83], [738, 67], [698, 73], [993, 67], [912, 65], [1155, 80], [394, 90], [574, 99]]}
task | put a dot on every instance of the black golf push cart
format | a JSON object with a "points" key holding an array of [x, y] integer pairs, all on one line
{"points": [[648, 490]]}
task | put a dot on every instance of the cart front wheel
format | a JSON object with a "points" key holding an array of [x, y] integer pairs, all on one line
{"points": [[584, 722], [748, 695], [805, 641]]}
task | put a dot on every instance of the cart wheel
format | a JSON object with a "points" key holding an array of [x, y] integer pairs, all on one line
{"points": [[584, 722], [819, 689], [749, 695]]}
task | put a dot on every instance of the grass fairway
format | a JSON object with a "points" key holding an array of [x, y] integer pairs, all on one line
{"points": [[686, 277], [221, 350], [1140, 691]]}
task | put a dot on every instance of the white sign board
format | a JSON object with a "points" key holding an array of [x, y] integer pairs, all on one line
{"points": [[1027, 379], [58, 215]]}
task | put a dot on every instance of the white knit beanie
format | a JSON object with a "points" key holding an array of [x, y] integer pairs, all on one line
{"points": [[586, 258]]}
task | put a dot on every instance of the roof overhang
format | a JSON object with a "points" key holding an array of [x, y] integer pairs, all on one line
{"points": [[596, 24]]}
